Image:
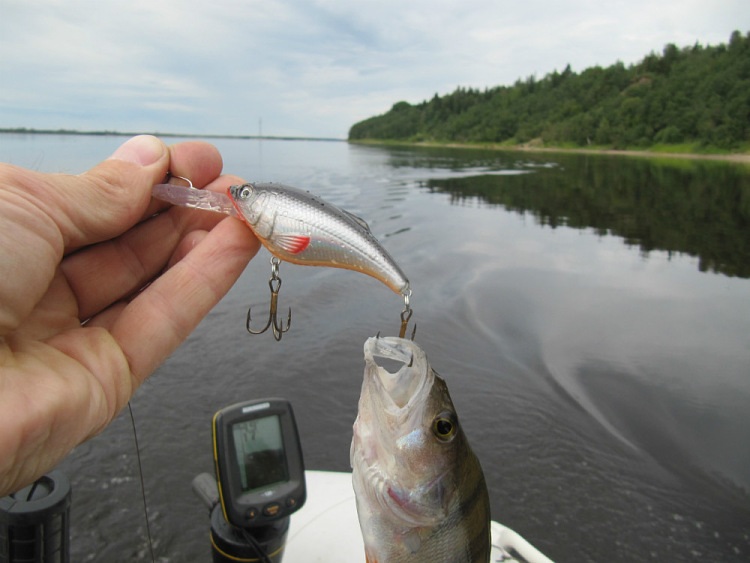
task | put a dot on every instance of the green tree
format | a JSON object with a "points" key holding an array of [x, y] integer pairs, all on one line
{"points": [[695, 94]]}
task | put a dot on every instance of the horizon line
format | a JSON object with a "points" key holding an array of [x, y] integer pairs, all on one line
{"points": [[105, 132]]}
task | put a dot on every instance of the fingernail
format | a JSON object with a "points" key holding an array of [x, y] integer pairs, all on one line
{"points": [[142, 150]]}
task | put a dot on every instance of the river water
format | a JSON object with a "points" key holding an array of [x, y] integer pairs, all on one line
{"points": [[590, 314]]}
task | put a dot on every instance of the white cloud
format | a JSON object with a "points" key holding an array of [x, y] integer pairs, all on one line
{"points": [[307, 67]]}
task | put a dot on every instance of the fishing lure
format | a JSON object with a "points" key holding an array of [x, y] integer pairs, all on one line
{"points": [[298, 227]]}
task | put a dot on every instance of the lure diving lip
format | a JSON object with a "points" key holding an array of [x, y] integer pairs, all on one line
{"points": [[191, 197]]}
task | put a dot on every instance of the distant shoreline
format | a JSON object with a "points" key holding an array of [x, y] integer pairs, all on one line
{"points": [[25, 131], [741, 158]]}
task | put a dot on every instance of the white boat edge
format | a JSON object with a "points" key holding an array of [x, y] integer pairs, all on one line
{"points": [[326, 528]]}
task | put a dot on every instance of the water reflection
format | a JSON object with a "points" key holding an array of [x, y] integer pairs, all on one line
{"points": [[701, 209]]}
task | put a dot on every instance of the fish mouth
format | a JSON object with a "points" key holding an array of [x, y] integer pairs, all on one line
{"points": [[409, 383]]}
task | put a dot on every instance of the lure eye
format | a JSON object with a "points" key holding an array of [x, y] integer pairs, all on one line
{"points": [[245, 192], [444, 427]]}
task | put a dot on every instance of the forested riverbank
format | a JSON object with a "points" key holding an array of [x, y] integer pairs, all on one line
{"points": [[693, 99]]}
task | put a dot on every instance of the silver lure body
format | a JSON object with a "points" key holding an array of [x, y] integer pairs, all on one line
{"points": [[299, 227]]}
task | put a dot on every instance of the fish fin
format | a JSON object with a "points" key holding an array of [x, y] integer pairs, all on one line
{"points": [[294, 244], [362, 223], [369, 559], [412, 540]]}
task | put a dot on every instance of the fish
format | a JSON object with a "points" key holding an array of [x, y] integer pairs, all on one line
{"points": [[302, 228], [420, 491]]}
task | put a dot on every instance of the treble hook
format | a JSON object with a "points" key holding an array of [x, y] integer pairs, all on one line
{"points": [[275, 284], [406, 316]]}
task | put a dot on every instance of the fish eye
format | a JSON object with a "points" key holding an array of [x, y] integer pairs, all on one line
{"points": [[245, 192], [445, 426]]}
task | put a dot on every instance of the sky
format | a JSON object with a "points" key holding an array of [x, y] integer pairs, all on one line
{"points": [[309, 68]]}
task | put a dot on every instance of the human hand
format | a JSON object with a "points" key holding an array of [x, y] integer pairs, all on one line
{"points": [[96, 291]]}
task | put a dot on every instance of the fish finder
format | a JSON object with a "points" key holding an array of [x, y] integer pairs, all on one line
{"points": [[259, 467]]}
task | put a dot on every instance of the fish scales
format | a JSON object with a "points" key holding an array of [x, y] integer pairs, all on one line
{"points": [[299, 227], [421, 494]]}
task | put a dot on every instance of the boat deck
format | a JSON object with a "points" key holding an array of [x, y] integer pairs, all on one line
{"points": [[331, 508]]}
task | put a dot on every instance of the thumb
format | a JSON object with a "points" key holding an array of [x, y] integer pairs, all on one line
{"points": [[143, 150], [111, 197]]}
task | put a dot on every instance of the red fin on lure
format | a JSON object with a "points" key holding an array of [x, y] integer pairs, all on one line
{"points": [[294, 244]]}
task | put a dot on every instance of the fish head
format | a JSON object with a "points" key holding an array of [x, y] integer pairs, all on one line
{"points": [[252, 204], [407, 441]]}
